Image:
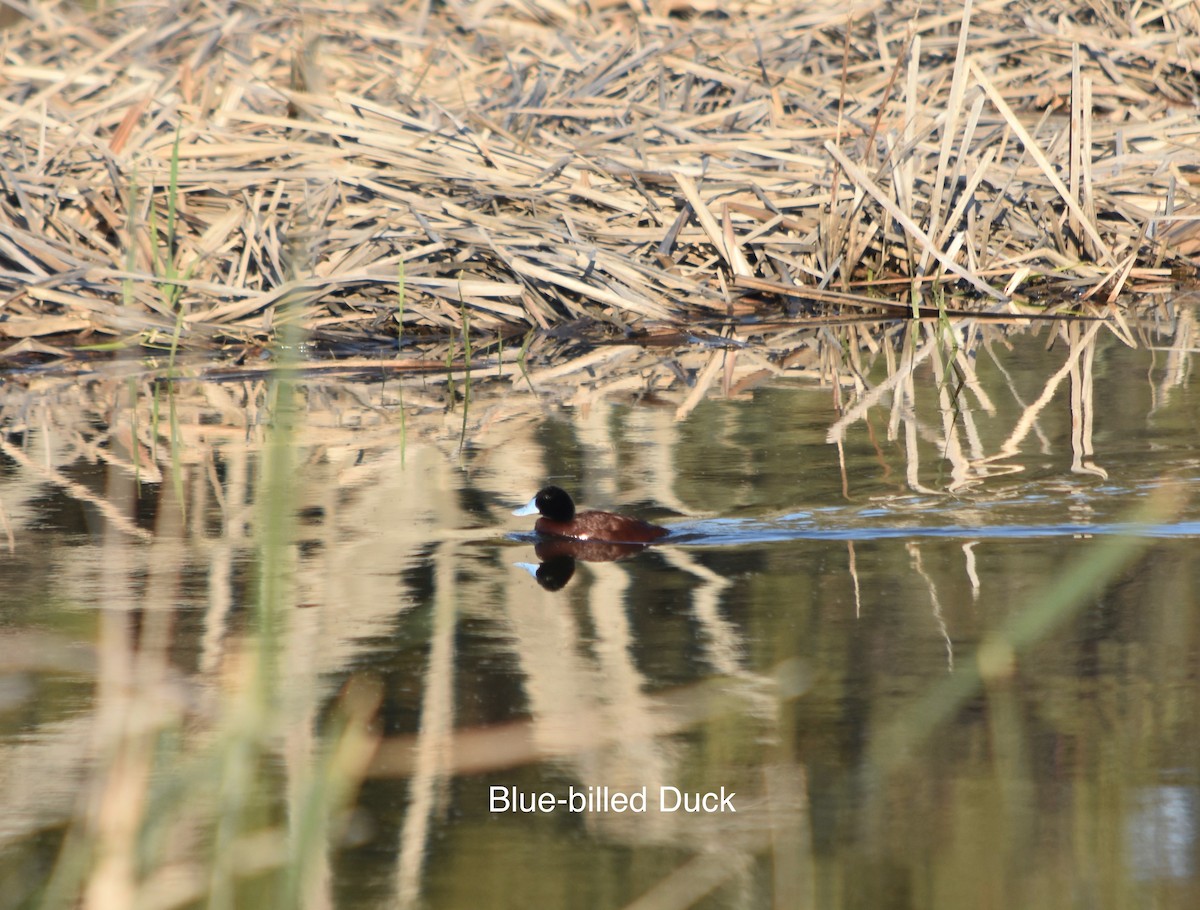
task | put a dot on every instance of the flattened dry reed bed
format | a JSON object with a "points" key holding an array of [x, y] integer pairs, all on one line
{"points": [[198, 174]]}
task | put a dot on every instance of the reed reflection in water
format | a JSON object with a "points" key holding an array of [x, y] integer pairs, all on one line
{"points": [[870, 625]]}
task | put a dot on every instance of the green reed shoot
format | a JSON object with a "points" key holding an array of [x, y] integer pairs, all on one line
{"points": [[131, 204], [521, 357], [466, 337], [165, 263], [170, 281], [399, 348], [451, 391]]}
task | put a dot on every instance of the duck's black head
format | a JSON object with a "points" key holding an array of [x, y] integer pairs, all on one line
{"points": [[553, 502]]}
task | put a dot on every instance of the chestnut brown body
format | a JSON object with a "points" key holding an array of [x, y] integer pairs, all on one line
{"points": [[605, 526]]}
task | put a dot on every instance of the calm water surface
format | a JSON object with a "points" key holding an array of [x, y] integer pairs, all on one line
{"points": [[924, 635]]}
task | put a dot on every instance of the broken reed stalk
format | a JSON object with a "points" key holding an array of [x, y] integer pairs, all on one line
{"points": [[536, 165]]}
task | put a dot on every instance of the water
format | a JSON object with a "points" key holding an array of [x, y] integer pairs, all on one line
{"points": [[923, 637]]}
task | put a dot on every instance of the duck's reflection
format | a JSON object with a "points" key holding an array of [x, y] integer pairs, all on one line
{"points": [[557, 558]]}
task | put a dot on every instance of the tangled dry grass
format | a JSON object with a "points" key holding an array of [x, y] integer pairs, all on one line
{"points": [[198, 174]]}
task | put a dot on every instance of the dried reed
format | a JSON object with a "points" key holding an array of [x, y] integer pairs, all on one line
{"points": [[173, 175]]}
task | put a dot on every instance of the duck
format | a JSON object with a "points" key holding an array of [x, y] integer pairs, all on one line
{"points": [[559, 519]]}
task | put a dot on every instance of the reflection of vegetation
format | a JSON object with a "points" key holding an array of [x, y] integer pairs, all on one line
{"points": [[1028, 626], [155, 787], [778, 668]]}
